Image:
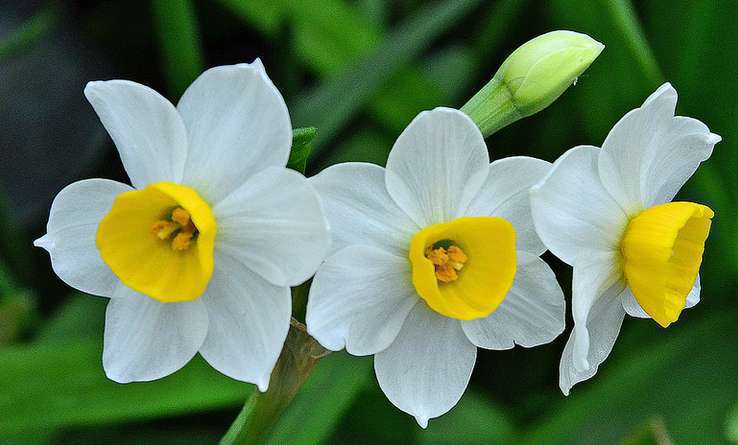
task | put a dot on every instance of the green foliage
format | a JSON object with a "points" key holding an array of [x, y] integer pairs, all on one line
{"points": [[318, 408], [335, 102], [179, 40], [358, 71], [680, 379], [33, 29], [53, 385], [302, 139], [474, 420]]}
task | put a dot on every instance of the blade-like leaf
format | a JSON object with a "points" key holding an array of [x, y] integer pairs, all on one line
{"points": [[54, 385], [319, 406], [473, 421], [179, 41], [687, 380], [334, 103]]}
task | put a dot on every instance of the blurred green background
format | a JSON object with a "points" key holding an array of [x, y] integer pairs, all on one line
{"points": [[359, 71]]}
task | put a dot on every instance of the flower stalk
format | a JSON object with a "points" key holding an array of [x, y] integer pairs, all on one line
{"points": [[262, 410]]}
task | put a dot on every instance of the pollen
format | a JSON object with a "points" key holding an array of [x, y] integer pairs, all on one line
{"points": [[178, 228], [447, 261]]}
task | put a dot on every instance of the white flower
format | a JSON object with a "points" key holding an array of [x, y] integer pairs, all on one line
{"points": [[607, 212], [423, 254], [199, 255]]}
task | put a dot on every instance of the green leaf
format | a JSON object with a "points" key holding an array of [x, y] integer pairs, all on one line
{"points": [[330, 36], [474, 420], [366, 145], [687, 378], [652, 433], [626, 65], [55, 385], [263, 14], [731, 425], [332, 105], [318, 408], [81, 317], [302, 139], [30, 32], [179, 40]]}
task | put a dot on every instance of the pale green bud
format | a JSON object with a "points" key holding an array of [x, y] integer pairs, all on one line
{"points": [[531, 78]]}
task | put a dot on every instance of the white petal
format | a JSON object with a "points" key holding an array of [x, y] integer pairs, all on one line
{"points": [[359, 299], [598, 313], [506, 194], [427, 368], [71, 230], [679, 151], [437, 166], [633, 308], [249, 320], [532, 314], [147, 340], [237, 124], [274, 225], [359, 209], [694, 295], [604, 326], [572, 211], [593, 276], [649, 154], [146, 128]]}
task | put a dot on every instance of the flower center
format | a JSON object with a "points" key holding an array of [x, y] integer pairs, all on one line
{"points": [[160, 241], [448, 259], [178, 229], [662, 252], [464, 268]]}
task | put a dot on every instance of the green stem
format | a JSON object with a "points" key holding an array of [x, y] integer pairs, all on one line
{"points": [[262, 410], [492, 108]]}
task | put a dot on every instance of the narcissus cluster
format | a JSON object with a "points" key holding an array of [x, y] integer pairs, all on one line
{"points": [[418, 263]]}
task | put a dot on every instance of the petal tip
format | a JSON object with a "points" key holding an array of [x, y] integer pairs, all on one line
{"points": [[92, 87], [422, 421], [713, 138], [263, 383], [45, 242], [115, 376], [565, 390], [259, 65]]}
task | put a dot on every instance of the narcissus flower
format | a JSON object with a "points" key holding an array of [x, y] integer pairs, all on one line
{"points": [[608, 213], [432, 257], [199, 254]]}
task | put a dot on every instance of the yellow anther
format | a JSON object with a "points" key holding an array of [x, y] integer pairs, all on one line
{"points": [[180, 229], [437, 256], [457, 257], [182, 241], [447, 262], [164, 229], [181, 216], [446, 273]]}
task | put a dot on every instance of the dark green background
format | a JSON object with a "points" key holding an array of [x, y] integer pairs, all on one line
{"points": [[359, 71]]}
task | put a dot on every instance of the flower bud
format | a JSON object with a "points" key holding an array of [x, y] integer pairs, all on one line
{"points": [[531, 78]]}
